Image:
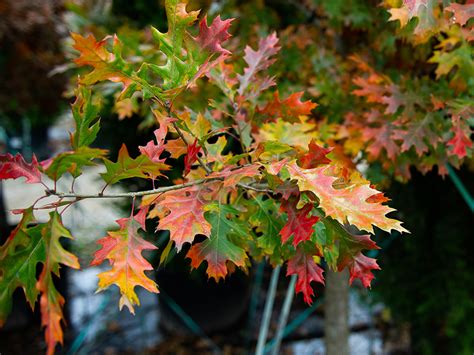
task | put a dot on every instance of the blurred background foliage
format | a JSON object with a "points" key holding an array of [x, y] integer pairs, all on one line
{"points": [[427, 278]]}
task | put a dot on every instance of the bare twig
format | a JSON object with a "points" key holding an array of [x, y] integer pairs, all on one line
{"points": [[257, 188]]}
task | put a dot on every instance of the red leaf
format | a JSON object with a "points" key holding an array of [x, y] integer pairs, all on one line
{"points": [[289, 109], [152, 150], [381, 138], [211, 38], [461, 13], [298, 224], [461, 140], [316, 156], [191, 156], [233, 175], [303, 265], [258, 60], [13, 167], [360, 268], [186, 217]]}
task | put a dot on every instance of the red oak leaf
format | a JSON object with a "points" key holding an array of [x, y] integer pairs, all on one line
{"points": [[316, 156], [107, 65], [257, 61], [13, 167], [186, 217], [345, 204], [300, 222], [152, 150], [303, 265], [123, 248], [220, 252], [461, 140], [211, 38], [233, 175], [461, 13], [191, 156], [289, 109], [360, 268], [415, 134], [380, 138]]}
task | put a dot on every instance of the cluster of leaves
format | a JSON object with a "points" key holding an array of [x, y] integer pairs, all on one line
{"points": [[416, 120], [257, 183], [393, 80]]}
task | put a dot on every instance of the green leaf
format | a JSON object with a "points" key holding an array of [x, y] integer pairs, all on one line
{"points": [[20, 254], [264, 215], [219, 249], [126, 167], [71, 162], [340, 246], [85, 113]]}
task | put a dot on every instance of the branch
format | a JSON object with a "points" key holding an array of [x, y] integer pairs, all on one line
{"points": [[131, 194], [258, 188]]}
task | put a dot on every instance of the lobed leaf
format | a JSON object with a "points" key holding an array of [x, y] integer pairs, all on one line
{"points": [[123, 248]]}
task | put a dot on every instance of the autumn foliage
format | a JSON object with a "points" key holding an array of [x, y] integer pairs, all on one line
{"points": [[259, 180]]}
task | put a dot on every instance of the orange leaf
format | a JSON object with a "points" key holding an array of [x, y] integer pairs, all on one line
{"points": [[123, 248], [347, 204], [186, 217]]}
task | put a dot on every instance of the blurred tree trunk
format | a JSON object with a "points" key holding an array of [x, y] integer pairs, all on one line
{"points": [[336, 313]]}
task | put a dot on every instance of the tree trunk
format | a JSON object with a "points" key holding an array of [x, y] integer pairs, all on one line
{"points": [[336, 311]]}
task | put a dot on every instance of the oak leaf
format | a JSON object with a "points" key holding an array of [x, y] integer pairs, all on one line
{"points": [[289, 109], [123, 248], [258, 60], [107, 65], [299, 223], [218, 250], [186, 213], [51, 301], [126, 167], [85, 113], [316, 156], [461, 139], [211, 38], [303, 265], [461, 13], [347, 204], [13, 167], [191, 156]]}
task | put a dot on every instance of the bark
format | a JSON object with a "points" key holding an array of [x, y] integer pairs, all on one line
{"points": [[336, 310]]}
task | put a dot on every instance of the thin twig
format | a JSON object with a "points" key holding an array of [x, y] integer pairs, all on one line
{"points": [[258, 188], [132, 194]]}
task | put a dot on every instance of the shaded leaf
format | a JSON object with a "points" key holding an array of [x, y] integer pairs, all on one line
{"points": [[289, 109], [299, 223], [303, 265], [257, 61], [85, 114]]}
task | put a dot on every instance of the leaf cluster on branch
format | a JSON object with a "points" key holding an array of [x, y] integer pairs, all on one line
{"points": [[257, 180]]}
